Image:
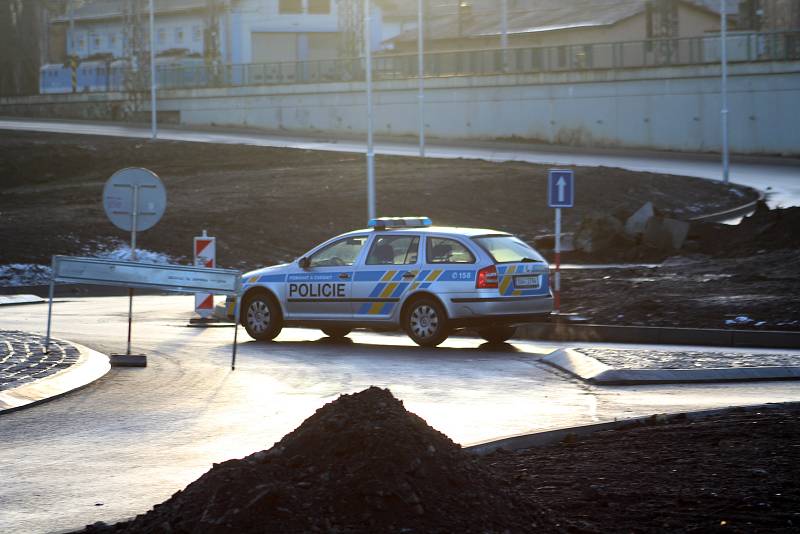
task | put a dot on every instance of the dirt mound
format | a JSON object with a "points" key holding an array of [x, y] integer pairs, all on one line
{"points": [[360, 464], [765, 229]]}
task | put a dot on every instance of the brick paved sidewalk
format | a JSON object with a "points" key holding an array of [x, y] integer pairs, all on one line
{"points": [[23, 360]]}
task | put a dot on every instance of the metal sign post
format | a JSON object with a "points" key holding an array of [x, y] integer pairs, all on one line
{"points": [[560, 194], [134, 221], [134, 212]]}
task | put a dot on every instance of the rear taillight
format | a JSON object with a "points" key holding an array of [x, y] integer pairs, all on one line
{"points": [[487, 278]]}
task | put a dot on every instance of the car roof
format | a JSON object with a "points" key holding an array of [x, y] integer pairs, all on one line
{"points": [[446, 230]]}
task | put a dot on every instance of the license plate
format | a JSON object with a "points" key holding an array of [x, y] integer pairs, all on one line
{"points": [[527, 282]]}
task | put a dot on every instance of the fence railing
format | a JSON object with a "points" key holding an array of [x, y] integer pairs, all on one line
{"points": [[192, 73], [742, 47]]}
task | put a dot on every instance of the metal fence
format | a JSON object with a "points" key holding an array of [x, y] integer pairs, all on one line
{"points": [[742, 47], [192, 73]]}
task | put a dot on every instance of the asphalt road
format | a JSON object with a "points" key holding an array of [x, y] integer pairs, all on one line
{"points": [[780, 178], [136, 436]]}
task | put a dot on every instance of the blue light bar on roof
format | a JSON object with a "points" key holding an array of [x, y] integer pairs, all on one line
{"points": [[382, 223]]}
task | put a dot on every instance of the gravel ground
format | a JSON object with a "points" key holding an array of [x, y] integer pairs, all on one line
{"points": [[733, 472], [660, 359]]}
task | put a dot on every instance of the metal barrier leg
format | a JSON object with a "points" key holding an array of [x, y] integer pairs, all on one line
{"points": [[130, 319], [235, 332], [49, 316]]}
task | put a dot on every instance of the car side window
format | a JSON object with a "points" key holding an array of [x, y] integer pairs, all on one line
{"points": [[394, 250], [339, 253], [443, 250]]}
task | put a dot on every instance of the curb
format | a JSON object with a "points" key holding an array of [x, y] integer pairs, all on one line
{"points": [[91, 366], [656, 335], [16, 300], [596, 372], [569, 434], [738, 211]]}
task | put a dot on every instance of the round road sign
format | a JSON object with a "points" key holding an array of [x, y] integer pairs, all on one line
{"points": [[119, 198]]}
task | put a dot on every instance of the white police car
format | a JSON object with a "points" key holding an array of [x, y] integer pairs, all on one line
{"points": [[402, 272]]}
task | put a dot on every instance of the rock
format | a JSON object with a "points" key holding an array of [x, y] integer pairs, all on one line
{"points": [[635, 224], [598, 232], [665, 234]]}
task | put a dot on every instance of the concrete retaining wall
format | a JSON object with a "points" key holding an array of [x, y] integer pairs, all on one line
{"points": [[670, 108]]}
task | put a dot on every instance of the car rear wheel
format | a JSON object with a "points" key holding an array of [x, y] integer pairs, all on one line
{"points": [[336, 332], [261, 317], [425, 322], [497, 334]]}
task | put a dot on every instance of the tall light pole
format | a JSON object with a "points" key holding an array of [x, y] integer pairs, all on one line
{"points": [[724, 91], [421, 73], [504, 32], [370, 147], [153, 113]]}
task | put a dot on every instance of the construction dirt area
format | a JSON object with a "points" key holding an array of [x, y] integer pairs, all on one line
{"points": [[269, 205], [363, 463]]}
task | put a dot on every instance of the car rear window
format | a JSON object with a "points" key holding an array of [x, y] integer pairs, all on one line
{"points": [[508, 249]]}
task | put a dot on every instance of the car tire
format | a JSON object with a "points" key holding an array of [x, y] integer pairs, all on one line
{"points": [[261, 317], [336, 332], [497, 334], [425, 322]]}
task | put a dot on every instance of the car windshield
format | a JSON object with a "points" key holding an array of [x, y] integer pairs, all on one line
{"points": [[508, 249]]}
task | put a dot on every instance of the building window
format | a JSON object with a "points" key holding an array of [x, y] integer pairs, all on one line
{"points": [[319, 7], [178, 35], [162, 36], [94, 39], [287, 7], [112, 40], [197, 34]]}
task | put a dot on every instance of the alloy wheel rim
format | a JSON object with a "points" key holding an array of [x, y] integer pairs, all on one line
{"points": [[258, 316], [424, 321]]}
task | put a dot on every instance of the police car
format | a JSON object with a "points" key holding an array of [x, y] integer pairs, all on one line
{"points": [[402, 272]]}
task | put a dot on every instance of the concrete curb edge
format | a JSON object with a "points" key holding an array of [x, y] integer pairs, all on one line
{"points": [[595, 372], [656, 335], [549, 437], [90, 366]]}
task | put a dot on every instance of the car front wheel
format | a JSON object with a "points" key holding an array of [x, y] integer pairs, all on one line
{"points": [[425, 322], [261, 317]]}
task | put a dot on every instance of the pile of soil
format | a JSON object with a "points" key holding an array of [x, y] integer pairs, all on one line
{"points": [[759, 292], [360, 464], [364, 464], [764, 230], [737, 471]]}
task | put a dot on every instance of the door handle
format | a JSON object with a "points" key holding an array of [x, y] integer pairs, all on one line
{"points": [[344, 276], [410, 274]]}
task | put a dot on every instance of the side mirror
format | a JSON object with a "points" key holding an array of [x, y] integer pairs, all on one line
{"points": [[303, 262]]}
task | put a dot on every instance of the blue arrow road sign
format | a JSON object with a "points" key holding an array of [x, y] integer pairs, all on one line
{"points": [[560, 188]]}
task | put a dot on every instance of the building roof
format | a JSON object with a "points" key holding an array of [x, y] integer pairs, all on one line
{"points": [[547, 15], [96, 10]]}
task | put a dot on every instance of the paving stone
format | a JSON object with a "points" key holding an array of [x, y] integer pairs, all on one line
{"points": [[23, 359], [659, 359]]}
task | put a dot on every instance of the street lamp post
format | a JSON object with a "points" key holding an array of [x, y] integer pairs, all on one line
{"points": [[370, 147], [504, 32], [153, 113], [724, 91], [421, 73]]}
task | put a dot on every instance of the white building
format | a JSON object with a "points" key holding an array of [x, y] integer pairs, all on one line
{"points": [[250, 31]]}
